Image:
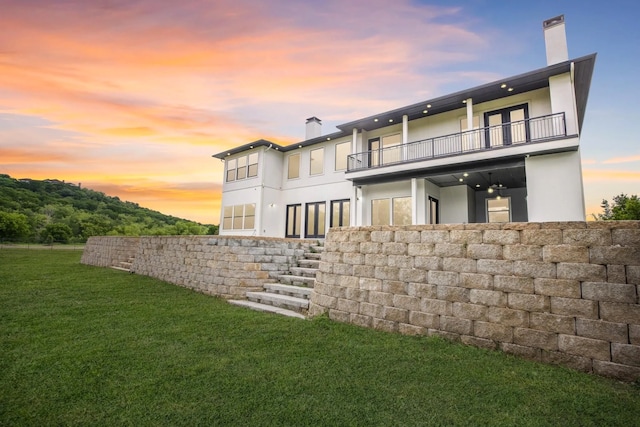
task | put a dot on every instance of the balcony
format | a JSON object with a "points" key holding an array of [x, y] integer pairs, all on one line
{"points": [[503, 136]]}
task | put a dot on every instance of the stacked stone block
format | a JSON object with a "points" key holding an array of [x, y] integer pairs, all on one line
{"points": [[105, 251], [222, 266], [564, 293]]}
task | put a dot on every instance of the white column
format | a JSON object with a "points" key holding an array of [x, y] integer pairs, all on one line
{"points": [[469, 114], [414, 201], [353, 212], [405, 129]]}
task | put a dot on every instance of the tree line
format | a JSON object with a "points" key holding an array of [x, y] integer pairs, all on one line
{"points": [[54, 211]]}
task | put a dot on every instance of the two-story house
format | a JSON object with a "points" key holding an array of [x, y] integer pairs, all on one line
{"points": [[503, 151]]}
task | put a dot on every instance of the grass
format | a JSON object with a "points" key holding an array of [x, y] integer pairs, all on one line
{"points": [[83, 345]]}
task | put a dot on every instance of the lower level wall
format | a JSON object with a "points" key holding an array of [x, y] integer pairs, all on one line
{"points": [[223, 266], [565, 293]]}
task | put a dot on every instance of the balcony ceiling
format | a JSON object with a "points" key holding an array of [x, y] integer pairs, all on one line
{"points": [[480, 180]]}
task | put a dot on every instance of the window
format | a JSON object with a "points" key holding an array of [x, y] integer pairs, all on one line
{"points": [[227, 218], [239, 217], [499, 209], [242, 167], [294, 213], [434, 215], [316, 166], [396, 211], [382, 152], [402, 211], [315, 220], [380, 212], [294, 166], [253, 165], [342, 154], [231, 170], [507, 126], [340, 214]]}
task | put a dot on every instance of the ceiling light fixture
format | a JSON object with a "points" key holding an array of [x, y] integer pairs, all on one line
{"points": [[503, 85], [465, 174], [425, 111], [390, 120], [428, 105], [510, 89], [375, 120]]}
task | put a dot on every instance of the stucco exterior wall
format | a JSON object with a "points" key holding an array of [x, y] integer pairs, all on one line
{"points": [[565, 293]]}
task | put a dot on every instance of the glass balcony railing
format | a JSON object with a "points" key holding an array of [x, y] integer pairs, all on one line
{"points": [[509, 134]]}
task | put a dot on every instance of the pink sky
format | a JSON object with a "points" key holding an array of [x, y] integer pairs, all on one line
{"points": [[133, 97]]}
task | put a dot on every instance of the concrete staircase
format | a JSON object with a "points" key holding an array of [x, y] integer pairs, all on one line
{"points": [[124, 265], [289, 296]]}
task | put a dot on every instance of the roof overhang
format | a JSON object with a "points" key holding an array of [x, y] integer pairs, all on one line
{"points": [[581, 69], [533, 80]]}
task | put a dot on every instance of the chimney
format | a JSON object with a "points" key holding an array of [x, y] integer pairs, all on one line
{"points": [[314, 128], [555, 40]]}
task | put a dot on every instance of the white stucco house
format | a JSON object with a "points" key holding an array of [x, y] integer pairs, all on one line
{"points": [[504, 151]]}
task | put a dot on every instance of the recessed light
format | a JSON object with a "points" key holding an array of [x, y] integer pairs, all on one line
{"points": [[328, 139], [460, 179], [490, 190], [503, 85], [228, 154], [251, 146], [510, 89], [428, 105], [390, 120], [425, 111], [465, 174], [464, 101], [277, 148], [477, 185], [300, 146], [375, 120]]}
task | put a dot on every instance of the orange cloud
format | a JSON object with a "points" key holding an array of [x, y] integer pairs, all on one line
{"points": [[626, 159]]}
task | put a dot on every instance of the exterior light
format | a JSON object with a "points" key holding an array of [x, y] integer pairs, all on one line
{"points": [[460, 179], [477, 185], [503, 85], [300, 146], [328, 139], [464, 101], [428, 105], [375, 120], [490, 190], [425, 111], [510, 89], [498, 198], [465, 174], [390, 120]]}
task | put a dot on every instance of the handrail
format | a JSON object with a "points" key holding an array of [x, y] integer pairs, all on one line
{"points": [[535, 129]]}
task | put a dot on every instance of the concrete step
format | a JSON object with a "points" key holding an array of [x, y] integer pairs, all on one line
{"points": [[125, 264], [303, 271], [291, 279], [279, 300], [115, 267], [267, 308], [309, 263], [294, 291], [312, 255], [317, 249]]}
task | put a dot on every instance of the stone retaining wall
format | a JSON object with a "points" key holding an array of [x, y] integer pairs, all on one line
{"points": [[106, 251], [565, 293], [225, 266]]}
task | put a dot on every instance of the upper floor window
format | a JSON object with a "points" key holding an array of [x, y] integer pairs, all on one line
{"points": [[293, 170], [342, 152], [316, 166], [242, 167]]}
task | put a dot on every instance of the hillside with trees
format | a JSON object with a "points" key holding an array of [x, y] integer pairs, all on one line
{"points": [[54, 211]]}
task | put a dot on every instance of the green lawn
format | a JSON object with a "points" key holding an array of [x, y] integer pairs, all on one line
{"points": [[81, 345]]}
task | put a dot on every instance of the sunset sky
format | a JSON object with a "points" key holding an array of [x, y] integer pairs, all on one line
{"points": [[133, 97]]}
